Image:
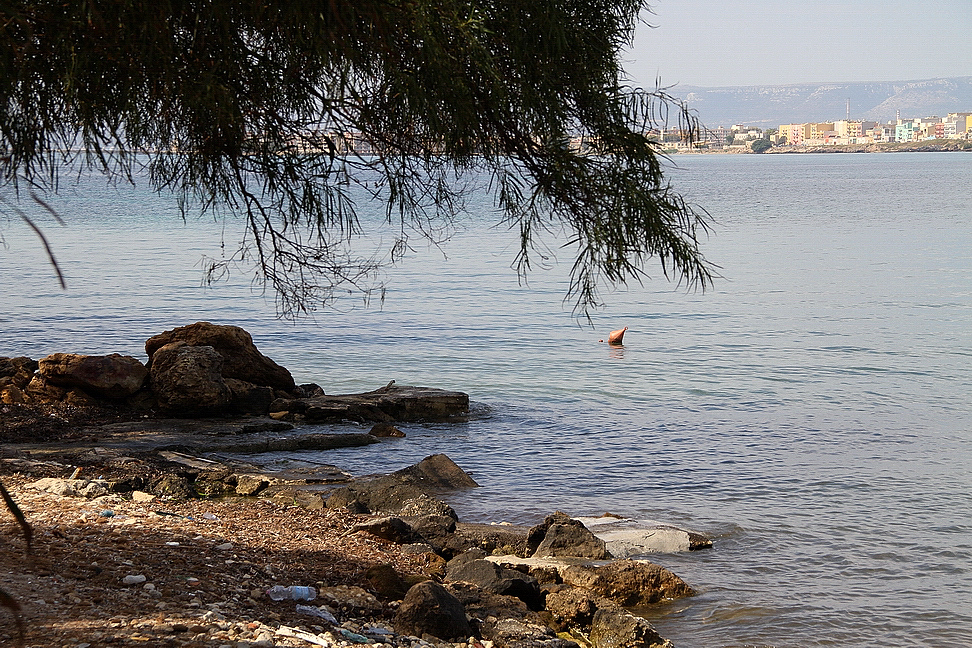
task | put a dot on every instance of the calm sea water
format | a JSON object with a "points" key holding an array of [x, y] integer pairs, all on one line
{"points": [[812, 413]]}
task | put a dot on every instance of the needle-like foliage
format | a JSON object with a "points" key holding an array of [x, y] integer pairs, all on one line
{"points": [[288, 111]]}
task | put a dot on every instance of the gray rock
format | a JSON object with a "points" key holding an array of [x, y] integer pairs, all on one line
{"points": [[188, 380], [625, 538], [390, 495], [437, 471], [559, 535], [493, 578], [248, 398], [520, 633], [429, 608], [621, 629], [108, 376]]}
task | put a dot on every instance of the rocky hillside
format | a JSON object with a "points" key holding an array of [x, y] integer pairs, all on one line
{"points": [[769, 106]]}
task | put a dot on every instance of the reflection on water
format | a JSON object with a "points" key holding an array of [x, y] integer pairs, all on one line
{"points": [[811, 413]]}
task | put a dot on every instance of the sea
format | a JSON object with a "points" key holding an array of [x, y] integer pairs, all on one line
{"points": [[811, 412]]}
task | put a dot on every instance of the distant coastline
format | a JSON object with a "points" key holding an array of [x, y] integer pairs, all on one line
{"points": [[880, 147]]}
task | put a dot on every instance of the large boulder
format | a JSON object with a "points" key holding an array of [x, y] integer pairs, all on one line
{"points": [[241, 359], [621, 629], [188, 380], [109, 376], [429, 608], [560, 536]]}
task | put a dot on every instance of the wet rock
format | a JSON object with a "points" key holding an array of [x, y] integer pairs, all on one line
{"points": [[429, 608], [470, 568], [385, 405], [438, 471], [621, 629], [188, 380], [559, 535], [110, 376], [384, 430], [628, 583], [241, 358]]}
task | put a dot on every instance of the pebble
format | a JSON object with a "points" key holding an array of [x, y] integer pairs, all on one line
{"points": [[226, 546], [134, 579]]}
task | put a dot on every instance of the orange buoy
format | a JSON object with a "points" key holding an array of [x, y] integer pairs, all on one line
{"points": [[617, 337]]}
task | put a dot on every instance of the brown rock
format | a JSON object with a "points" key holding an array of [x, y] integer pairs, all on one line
{"points": [[629, 583], [621, 629], [386, 430], [241, 358], [188, 380], [109, 376], [248, 485], [573, 607], [387, 582], [40, 389]]}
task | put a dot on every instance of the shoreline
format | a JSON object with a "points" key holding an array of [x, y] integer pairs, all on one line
{"points": [[200, 566]]}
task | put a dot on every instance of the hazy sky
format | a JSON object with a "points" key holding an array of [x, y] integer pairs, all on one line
{"points": [[732, 42]]}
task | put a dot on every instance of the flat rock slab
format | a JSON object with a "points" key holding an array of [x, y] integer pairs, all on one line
{"points": [[243, 435], [625, 538], [385, 405]]}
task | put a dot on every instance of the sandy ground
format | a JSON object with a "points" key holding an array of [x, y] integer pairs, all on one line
{"points": [[206, 563]]}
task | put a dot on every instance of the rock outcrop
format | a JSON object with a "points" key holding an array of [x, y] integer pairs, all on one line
{"points": [[241, 358], [110, 376], [383, 405]]}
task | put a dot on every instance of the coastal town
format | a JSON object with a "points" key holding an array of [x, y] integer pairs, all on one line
{"points": [[844, 132]]}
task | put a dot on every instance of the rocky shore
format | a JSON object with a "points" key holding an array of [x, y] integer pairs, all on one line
{"points": [[141, 534]]}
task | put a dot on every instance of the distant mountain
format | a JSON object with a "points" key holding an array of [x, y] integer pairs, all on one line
{"points": [[769, 106]]}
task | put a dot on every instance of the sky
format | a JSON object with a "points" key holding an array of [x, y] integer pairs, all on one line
{"points": [[713, 43]]}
